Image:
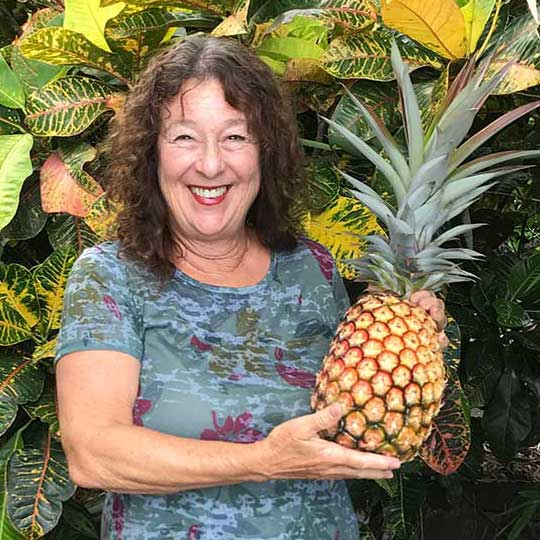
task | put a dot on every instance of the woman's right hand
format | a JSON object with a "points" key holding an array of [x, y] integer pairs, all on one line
{"points": [[294, 449]]}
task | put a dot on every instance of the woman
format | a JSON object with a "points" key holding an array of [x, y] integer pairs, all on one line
{"points": [[204, 325]]}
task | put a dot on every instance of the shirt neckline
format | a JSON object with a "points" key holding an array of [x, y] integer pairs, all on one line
{"points": [[182, 276]]}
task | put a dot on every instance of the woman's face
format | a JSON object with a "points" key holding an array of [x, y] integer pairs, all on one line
{"points": [[208, 163]]}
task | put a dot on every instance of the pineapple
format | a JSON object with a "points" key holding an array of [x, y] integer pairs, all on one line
{"points": [[385, 364]]}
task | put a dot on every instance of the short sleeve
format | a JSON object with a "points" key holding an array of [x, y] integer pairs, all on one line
{"points": [[99, 311], [340, 294]]}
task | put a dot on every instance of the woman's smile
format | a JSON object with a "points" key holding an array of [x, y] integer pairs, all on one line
{"points": [[209, 196]]}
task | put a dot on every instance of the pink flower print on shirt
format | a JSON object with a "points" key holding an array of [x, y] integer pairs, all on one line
{"points": [[203, 347], [232, 430], [292, 375], [194, 532], [141, 407], [118, 515], [112, 306], [325, 260]]}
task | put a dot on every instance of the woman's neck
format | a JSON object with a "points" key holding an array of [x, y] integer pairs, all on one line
{"points": [[240, 262], [213, 258]]}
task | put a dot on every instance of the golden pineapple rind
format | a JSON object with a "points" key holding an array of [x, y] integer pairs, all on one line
{"points": [[386, 368]]}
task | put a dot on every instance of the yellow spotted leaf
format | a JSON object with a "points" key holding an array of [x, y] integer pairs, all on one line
{"points": [[519, 44], [103, 218], [305, 69], [19, 308], [38, 482], [235, 24], [338, 228], [21, 381], [47, 350], [439, 25], [50, 279], [68, 106]]}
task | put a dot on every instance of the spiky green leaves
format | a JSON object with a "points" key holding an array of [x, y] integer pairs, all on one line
{"points": [[430, 183]]}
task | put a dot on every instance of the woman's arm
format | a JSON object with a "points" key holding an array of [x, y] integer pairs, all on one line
{"points": [[105, 450]]}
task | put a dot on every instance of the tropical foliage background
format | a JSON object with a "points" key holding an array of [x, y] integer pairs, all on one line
{"points": [[65, 67]]}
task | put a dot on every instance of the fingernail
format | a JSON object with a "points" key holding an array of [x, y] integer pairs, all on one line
{"points": [[394, 464]]}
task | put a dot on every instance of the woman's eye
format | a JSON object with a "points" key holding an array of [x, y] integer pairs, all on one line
{"points": [[180, 138], [239, 138]]}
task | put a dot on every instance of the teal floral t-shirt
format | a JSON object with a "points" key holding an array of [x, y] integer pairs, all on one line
{"points": [[217, 363]]}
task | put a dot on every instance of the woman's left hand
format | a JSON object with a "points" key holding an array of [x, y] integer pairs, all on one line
{"points": [[435, 307]]}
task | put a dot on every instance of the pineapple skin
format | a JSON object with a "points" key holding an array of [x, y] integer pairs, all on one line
{"points": [[385, 366]]}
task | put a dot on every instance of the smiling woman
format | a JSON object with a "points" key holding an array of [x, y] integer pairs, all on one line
{"points": [[207, 114], [189, 346], [209, 171]]}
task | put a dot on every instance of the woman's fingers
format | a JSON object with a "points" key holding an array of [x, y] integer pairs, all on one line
{"points": [[443, 340], [295, 450], [433, 305]]}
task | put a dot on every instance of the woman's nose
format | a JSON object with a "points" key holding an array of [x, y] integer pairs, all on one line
{"points": [[210, 159]]}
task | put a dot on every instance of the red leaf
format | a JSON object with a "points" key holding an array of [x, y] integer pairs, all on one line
{"points": [[450, 439], [65, 187]]}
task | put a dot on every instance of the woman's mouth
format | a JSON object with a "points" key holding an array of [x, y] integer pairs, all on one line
{"points": [[209, 196]]}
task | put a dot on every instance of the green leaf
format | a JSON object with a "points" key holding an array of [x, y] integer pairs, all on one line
{"points": [[7, 448], [89, 19], [38, 483], [62, 47], [30, 217], [33, 74], [368, 56], [50, 279], [10, 123], [21, 381], [44, 409], [323, 184], [509, 314], [381, 98], [401, 512], [65, 230], [476, 14], [524, 281], [11, 89], [15, 168], [285, 48], [67, 106], [519, 44], [507, 419], [352, 15], [431, 96], [19, 309], [76, 523], [139, 33]]}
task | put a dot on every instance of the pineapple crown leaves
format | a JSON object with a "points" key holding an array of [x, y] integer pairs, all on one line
{"points": [[431, 183]]}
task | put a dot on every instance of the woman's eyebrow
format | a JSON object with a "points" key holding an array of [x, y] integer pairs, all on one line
{"points": [[231, 122]]}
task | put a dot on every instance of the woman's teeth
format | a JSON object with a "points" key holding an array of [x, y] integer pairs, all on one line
{"points": [[209, 193]]}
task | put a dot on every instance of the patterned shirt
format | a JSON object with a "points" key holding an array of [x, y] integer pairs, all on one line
{"points": [[217, 363]]}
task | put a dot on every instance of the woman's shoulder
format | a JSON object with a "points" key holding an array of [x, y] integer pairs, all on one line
{"points": [[106, 260], [313, 255]]}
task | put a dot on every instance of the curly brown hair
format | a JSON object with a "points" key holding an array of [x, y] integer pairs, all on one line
{"points": [[249, 85]]}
